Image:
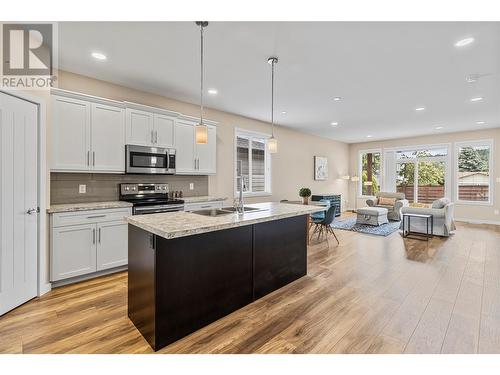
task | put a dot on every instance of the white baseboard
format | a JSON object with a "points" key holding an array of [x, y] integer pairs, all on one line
{"points": [[45, 288], [471, 221]]}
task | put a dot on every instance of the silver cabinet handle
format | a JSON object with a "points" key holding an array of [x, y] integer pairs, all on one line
{"points": [[93, 158], [93, 236], [99, 235], [152, 137], [156, 136], [88, 158], [95, 216]]}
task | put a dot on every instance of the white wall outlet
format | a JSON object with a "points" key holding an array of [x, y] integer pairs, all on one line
{"points": [[496, 212], [498, 179], [82, 189], [191, 186]]}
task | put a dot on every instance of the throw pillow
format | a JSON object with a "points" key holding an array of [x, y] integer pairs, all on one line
{"points": [[383, 201], [440, 203]]}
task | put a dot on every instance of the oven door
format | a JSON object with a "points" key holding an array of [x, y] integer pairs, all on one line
{"points": [[143, 210], [146, 160]]}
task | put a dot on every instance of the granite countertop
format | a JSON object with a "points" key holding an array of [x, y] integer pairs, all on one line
{"points": [[180, 224], [70, 207], [202, 199]]}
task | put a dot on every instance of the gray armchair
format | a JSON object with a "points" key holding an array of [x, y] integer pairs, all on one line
{"points": [[393, 212], [442, 213]]}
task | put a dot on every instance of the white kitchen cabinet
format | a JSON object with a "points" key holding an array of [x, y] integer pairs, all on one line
{"points": [[108, 138], [185, 148], [112, 245], [73, 251], [70, 134], [164, 130], [192, 158], [85, 242], [88, 134], [139, 127], [149, 126]]}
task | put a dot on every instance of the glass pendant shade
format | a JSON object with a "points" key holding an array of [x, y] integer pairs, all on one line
{"points": [[272, 145], [201, 134]]}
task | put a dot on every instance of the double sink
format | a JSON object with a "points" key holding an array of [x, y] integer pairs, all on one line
{"points": [[226, 211]]}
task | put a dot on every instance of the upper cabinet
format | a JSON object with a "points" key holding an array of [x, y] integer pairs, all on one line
{"points": [[88, 134], [149, 126], [192, 158]]}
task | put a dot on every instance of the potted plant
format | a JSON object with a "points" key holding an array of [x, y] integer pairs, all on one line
{"points": [[305, 193]]}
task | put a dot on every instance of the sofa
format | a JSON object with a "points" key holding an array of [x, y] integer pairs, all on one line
{"points": [[393, 211], [442, 212]]}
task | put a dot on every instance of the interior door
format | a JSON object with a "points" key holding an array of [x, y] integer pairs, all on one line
{"points": [[206, 153], [108, 138], [18, 201]]}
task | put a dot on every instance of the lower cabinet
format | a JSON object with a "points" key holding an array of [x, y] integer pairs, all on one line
{"points": [[84, 243]]}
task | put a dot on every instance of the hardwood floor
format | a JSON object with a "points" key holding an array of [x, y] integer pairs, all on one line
{"points": [[368, 295]]}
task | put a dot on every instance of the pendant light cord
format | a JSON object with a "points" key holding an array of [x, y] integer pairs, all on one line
{"points": [[272, 99], [201, 68]]}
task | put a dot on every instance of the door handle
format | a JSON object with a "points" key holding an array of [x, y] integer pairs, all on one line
{"points": [[99, 235], [93, 236], [152, 137], [31, 211], [156, 136], [88, 158], [93, 158]]}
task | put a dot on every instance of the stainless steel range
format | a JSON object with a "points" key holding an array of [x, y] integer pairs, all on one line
{"points": [[149, 198]]}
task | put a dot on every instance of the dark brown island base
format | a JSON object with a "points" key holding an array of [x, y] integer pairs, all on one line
{"points": [[186, 270]]}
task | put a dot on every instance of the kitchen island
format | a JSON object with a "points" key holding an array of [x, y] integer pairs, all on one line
{"points": [[187, 270]]}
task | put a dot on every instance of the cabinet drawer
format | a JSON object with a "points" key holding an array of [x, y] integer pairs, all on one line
{"points": [[92, 216]]}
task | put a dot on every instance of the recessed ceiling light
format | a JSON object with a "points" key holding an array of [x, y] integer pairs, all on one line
{"points": [[334, 123], [212, 91], [283, 112], [369, 136], [419, 108], [464, 42], [337, 99], [99, 56], [439, 127], [480, 122], [476, 99]]}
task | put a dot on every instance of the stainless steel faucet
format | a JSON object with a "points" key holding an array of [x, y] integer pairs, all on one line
{"points": [[238, 204]]}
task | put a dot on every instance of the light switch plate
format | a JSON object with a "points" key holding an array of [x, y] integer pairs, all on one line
{"points": [[191, 186], [498, 179], [496, 212], [82, 189]]}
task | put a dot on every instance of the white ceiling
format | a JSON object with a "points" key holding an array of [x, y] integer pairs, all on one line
{"points": [[382, 70]]}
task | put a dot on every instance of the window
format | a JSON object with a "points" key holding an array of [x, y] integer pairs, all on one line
{"points": [[369, 170], [473, 171], [421, 174], [251, 150]]}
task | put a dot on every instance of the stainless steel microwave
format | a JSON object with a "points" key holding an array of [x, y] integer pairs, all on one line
{"points": [[149, 160]]}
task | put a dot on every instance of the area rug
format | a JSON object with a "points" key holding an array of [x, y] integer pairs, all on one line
{"points": [[381, 230]]}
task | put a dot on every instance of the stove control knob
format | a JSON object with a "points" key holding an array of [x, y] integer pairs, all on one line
{"points": [[133, 188], [127, 188]]}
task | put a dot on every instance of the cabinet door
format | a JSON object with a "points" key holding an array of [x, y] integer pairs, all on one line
{"points": [[112, 245], [108, 138], [184, 143], [70, 134], [139, 127], [206, 154], [73, 251], [164, 130]]}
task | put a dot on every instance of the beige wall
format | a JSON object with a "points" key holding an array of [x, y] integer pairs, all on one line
{"points": [[292, 166], [474, 213]]}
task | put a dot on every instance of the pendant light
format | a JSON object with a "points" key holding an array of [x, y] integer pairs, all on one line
{"points": [[201, 130], [272, 143]]}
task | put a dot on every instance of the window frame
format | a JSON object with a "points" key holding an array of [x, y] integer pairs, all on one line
{"points": [[360, 171], [250, 135], [491, 193]]}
